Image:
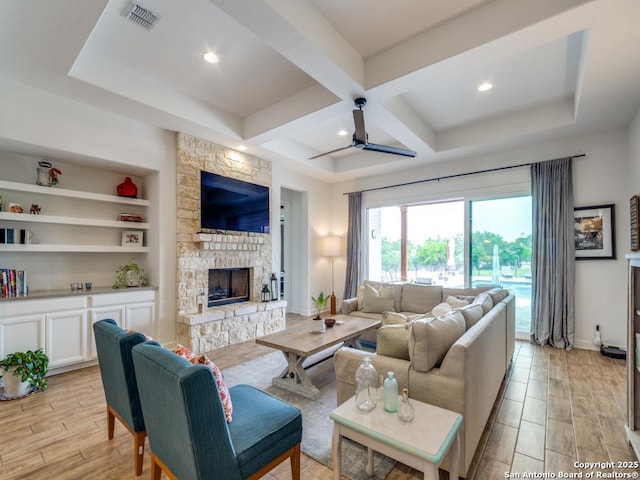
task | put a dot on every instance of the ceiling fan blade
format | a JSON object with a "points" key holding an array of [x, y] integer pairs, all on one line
{"points": [[386, 149], [329, 152], [360, 135]]}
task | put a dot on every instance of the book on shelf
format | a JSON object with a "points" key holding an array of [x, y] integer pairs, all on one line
{"points": [[15, 235], [13, 283]]}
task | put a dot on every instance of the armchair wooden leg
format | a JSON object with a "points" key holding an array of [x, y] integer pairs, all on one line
{"points": [[138, 450], [156, 471], [295, 463], [111, 420]]}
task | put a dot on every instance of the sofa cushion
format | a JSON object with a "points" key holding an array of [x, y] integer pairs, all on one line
{"points": [[420, 298], [441, 309], [393, 341], [472, 314], [430, 339], [397, 291], [485, 300], [498, 294], [394, 318], [456, 302], [377, 300]]}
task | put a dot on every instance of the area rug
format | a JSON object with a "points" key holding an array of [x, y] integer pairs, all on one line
{"points": [[317, 427]]}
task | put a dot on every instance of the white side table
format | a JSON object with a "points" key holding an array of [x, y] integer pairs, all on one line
{"points": [[421, 444]]}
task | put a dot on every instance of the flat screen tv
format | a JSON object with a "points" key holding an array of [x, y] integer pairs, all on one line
{"points": [[230, 204]]}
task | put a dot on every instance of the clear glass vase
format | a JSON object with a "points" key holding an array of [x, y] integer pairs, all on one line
{"points": [[390, 393], [406, 411], [366, 386]]}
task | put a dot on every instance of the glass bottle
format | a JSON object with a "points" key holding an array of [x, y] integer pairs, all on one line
{"points": [[390, 393], [405, 409], [366, 385]]}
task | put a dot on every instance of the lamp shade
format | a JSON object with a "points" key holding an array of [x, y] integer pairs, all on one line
{"points": [[331, 246]]}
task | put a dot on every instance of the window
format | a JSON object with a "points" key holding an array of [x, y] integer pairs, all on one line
{"points": [[501, 250]]}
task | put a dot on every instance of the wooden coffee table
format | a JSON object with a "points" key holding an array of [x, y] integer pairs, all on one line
{"points": [[422, 444], [298, 343]]}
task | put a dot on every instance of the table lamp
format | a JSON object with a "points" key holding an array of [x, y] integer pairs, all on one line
{"points": [[331, 248]]}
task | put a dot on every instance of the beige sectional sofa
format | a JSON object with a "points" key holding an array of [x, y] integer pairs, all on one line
{"points": [[456, 360]]}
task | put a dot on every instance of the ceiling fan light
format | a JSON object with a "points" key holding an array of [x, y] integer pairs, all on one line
{"points": [[484, 87]]}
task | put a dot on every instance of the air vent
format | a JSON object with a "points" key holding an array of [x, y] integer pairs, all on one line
{"points": [[141, 16]]}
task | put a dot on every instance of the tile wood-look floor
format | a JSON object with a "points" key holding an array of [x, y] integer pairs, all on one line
{"points": [[556, 408]]}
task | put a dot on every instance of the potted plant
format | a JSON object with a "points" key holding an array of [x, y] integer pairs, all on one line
{"points": [[130, 275], [320, 302], [22, 371]]}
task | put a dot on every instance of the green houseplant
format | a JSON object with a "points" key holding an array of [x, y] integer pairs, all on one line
{"points": [[320, 302], [28, 367], [130, 275]]}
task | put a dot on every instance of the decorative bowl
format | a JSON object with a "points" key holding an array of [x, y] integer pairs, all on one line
{"points": [[329, 322]]}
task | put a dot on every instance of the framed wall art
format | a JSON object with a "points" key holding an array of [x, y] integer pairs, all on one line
{"points": [[132, 238], [594, 232]]}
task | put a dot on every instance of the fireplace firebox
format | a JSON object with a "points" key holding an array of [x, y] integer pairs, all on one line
{"points": [[228, 285]]}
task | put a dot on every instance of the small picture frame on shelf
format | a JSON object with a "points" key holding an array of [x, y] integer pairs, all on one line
{"points": [[132, 238]]}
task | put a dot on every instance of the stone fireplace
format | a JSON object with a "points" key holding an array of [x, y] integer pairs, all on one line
{"points": [[228, 285], [199, 326]]}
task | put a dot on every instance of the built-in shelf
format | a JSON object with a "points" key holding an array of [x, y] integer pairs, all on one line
{"points": [[12, 247], [84, 221], [62, 192]]}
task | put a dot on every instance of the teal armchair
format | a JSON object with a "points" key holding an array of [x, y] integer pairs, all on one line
{"points": [[189, 437], [114, 346]]}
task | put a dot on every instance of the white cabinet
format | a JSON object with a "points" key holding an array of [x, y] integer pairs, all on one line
{"points": [[19, 333], [131, 310], [66, 337], [63, 325]]}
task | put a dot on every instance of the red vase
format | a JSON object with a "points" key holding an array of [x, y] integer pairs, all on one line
{"points": [[127, 188]]}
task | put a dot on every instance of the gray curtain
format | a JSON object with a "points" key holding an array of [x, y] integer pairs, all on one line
{"points": [[354, 235], [553, 255]]}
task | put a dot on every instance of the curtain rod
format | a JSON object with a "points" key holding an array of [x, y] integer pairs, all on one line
{"points": [[446, 177]]}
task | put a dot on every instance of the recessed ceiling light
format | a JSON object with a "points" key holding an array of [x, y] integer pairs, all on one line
{"points": [[242, 148], [210, 57], [485, 86], [343, 132]]}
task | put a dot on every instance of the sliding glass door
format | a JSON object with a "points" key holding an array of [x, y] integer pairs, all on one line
{"points": [[500, 250], [417, 243]]}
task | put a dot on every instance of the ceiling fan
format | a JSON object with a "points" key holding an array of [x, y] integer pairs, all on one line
{"points": [[360, 137]]}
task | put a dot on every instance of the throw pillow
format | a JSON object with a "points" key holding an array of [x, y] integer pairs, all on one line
{"points": [[393, 341], [497, 294], [360, 296], [485, 300], [456, 302], [441, 309], [377, 301], [147, 337], [431, 339], [223, 391], [394, 318], [184, 352], [472, 314]]}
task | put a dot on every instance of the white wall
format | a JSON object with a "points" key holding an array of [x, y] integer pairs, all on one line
{"points": [[599, 178], [82, 139], [633, 174]]}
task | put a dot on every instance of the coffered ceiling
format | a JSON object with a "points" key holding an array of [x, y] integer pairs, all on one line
{"points": [[290, 70]]}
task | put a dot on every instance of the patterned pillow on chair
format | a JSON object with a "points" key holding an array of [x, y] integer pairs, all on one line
{"points": [[223, 390]]}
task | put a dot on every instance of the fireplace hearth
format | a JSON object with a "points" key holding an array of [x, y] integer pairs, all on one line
{"points": [[228, 285]]}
